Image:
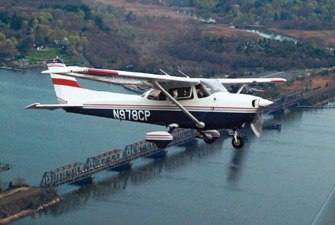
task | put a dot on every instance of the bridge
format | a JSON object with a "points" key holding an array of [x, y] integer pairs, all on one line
{"points": [[287, 101], [320, 96], [307, 99], [80, 173]]}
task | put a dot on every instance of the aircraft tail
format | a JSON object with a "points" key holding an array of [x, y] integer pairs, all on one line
{"points": [[68, 90]]}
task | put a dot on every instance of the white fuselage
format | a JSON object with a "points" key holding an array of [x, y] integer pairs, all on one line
{"points": [[218, 110]]}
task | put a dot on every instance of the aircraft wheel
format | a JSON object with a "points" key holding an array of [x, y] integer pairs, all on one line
{"points": [[209, 140], [238, 143]]}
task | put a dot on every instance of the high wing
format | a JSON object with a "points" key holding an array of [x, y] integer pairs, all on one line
{"points": [[126, 77], [121, 77]]}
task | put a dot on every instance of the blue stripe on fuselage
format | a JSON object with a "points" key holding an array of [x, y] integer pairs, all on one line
{"points": [[213, 120]]}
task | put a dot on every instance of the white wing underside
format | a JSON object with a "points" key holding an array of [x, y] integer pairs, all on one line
{"points": [[125, 77]]}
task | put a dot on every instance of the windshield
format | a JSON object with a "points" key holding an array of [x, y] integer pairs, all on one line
{"points": [[213, 86]]}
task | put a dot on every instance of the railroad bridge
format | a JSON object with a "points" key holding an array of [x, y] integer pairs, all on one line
{"points": [[287, 101], [115, 159], [302, 99]]}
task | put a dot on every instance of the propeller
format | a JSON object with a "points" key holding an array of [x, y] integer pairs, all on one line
{"points": [[257, 123]]}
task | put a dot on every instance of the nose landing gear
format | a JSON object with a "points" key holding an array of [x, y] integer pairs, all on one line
{"points": [[237, 141]]}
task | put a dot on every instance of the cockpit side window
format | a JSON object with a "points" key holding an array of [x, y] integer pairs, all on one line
{"points": [[202, 90], [213, 86], [180, 93]]}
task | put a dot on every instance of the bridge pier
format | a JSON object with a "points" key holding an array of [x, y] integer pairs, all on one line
{"points": [[124, 167], [85, 181], [160, 154], [279, 111]]}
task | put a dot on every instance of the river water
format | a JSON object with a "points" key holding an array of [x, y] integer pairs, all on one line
{"points": [[281, 178]]}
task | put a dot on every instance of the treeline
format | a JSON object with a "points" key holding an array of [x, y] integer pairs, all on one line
{"points": [[122, 39], [303, 14], [237, 55], [75, 27], [24, 27]]}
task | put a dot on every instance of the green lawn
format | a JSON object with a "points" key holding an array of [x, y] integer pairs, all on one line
{"points": [[49, 53]]}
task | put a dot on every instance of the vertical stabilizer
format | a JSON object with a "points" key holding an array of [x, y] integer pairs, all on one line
{"points": [[67, 89]]}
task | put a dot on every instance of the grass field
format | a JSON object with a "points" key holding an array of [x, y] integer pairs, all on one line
{"points": [[49, 53]]}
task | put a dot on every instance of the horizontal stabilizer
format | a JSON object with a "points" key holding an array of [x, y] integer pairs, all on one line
{"points": [[52, 106], [64, 70]]}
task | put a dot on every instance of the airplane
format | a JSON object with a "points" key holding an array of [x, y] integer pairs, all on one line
{"points": [[204, 105]]}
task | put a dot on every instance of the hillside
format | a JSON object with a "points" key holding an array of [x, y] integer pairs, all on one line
{"points": [[150, 35]]}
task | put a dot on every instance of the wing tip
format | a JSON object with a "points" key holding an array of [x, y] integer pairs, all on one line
{"points": [[278, 80]]}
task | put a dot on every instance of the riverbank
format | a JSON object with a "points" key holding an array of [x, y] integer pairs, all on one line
{"points": [[24, 201], [20, 65]]}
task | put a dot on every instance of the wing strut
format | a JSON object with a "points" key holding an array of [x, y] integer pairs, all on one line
{"points": [[198, 123]]}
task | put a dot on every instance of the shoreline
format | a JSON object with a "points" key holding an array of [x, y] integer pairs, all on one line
{"points": [[14, 65], [24, 201], [28, 212]]}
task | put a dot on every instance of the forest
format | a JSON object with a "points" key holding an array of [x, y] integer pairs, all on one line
{"points": [[306, 14], [105, 35]]}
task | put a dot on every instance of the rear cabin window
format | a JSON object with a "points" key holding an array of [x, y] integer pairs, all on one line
{"points": [[181, 93], [157, 95]]}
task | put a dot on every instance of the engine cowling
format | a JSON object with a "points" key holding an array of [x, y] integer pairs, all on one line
{"points": [[160, 138]]}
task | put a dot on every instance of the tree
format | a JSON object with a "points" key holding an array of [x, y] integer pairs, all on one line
{"points": [[42, 34], [19, 182], [8, 46], [26, 43], [10, 186], [16, 22], [205, 6]]}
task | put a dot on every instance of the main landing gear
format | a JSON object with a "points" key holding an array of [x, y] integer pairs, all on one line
{"points": [[209, 136]]}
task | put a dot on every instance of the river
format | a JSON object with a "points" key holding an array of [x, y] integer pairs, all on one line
{"points": [[281, 178]]}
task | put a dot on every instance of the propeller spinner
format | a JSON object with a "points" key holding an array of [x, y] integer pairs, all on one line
{"points": [[257, 123]]}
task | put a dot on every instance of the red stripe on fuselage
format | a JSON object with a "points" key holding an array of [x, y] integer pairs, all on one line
{"points": [[168, 107], [64, 82], [102, 71]]}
